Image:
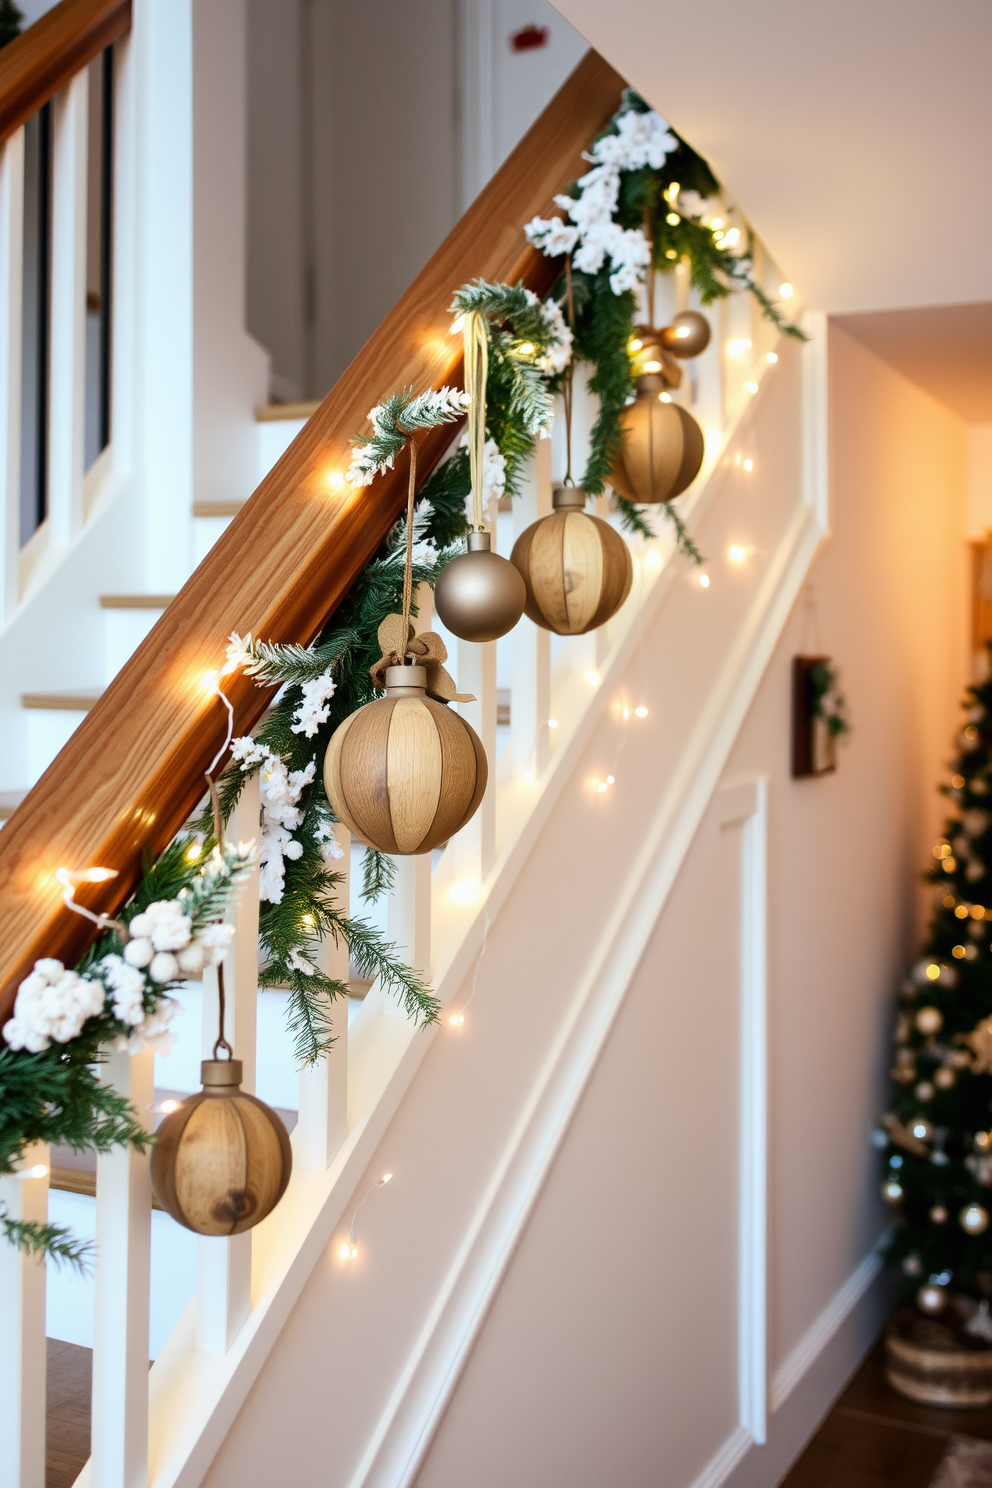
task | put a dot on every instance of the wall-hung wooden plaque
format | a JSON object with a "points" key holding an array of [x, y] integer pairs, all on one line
{"points": [[814, 746]]}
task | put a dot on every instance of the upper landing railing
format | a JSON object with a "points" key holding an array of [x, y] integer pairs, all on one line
{"points": [[133, 770]]}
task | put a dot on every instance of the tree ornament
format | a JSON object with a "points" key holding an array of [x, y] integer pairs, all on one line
{"points": [[929, 1020], [892, 1191], [938, 1214], [662, 448], [687, 336], [221, 1162], [924, 1091], [945, 1078], [911, 1265], [931, 1299], [404, 773], [479, 596], [973, 1219], [577, 570]]}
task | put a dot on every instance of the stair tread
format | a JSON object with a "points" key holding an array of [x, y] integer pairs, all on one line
{"points": [[66, 699], [277, 412], [135, 601]]}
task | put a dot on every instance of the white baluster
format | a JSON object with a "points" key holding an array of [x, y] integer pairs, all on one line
{"points": [[223, 1263], [123, 1255], [408, 918], [530, 691], [11, 289], [476, 842], [22, 1308], [67, 384], [323, 1122]]}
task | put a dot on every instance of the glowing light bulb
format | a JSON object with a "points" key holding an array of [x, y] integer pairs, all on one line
{"points": [[552, 723], [664, 397], [751, 387], [673, 219], [933, 972], [682, 331], [384, 1179], [456, 1020], [716, 223], [704, 581], [40, 1170], [786, 290], [168, 1106], [626, 714], [593, 678], [465, 891], [610, 779], [738, 346], [335, 479], [670, 253], [749, 466], [652, 366], [641, 712], [732, 236], [737, 553], [308, 919], [526, 348], [652, 558], [457, 324], [635, 344], [772, 358], [602, 787], [345, 1252], [210, 681], [193, 852]]}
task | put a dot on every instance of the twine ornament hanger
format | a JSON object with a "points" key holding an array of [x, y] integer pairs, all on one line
{"points": [[475, 340]]}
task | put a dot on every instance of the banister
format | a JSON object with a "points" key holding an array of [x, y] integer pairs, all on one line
{"points": [[133, 770], [36, 64]]}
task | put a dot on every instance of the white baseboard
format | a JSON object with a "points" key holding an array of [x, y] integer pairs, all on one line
{"points": [[801, 1358], [718, 1469]]}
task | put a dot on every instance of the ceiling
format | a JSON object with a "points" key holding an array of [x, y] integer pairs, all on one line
{"points": [[945, 350], [857, 138]]}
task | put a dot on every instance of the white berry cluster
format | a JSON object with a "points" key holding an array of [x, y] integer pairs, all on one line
{"points": [[163, 942], [642, 139], [52, 1005]]}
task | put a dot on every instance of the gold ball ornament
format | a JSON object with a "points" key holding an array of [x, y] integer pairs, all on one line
{"points": [[973, 1219], [688, 334], [479, 596], [938, 1214], [221, 1162], [892, 1191], [931, 1299], [929, 1020], [945, 1078], [576, 569], [404, 772], [662, 448], [924, 1091]]}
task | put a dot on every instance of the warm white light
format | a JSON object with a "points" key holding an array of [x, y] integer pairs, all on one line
{"points": [[593, 678], [772, 358], [652, 558], [69, 880], [457, 324], [552, 723], [526, 348], [641, 712], [636, 345], [664, 397], [751, 387], [704, 581], [456, 1020], [682, 331], [732, 236], [738, 346], [466, 891], [736, 553], [307, 919], [749, 466], [716, 223], [384, 1179], [529, 777], [652, 366], [609, 779], [210, 681], [673, 219], [168, 1106], [40, 1170], [193, 852], [335, 479], [672, 191], [602, 786], [670, 253], [786, 290]]}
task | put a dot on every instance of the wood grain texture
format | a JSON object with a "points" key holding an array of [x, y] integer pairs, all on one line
{"points": [[133, 770], [662, 451], [36, 64], [414, 767], [577, 571]]}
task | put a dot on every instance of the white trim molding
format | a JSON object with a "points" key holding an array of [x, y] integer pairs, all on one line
{"points": [[803, 1356]]}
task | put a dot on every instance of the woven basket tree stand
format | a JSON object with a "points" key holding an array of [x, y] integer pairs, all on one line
{"points": [[934, 1362]]}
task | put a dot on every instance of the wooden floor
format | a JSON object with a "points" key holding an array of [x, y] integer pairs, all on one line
{"points": [[70, 1370], [874, 1439]]}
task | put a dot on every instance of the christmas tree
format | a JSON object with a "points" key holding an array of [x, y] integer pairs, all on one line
{"points": [[936, 1137], [11, 21]]}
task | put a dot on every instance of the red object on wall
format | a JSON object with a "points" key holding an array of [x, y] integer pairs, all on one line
{"points": [[529, 38]]}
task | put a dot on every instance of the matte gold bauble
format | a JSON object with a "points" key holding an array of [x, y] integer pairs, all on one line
{"points": [[222, 1161], [974, 1219], [576, 568], [404, 773], [929, 1020], [931, 1299], [662, 448], [687, 336], [479, 596]]}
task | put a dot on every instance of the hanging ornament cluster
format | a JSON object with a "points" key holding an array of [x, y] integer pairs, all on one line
{"points": [[222, 1160], [663, 447], [479, 596], [577, 569]]}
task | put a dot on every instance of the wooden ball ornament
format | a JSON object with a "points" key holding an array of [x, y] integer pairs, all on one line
{"points": [[576, 568], [404, 773], [687, 336], [479, 596], [222, 1161], [662, 447]]}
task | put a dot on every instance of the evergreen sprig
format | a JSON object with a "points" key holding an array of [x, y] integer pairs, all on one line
{"points": [[54, 1242]]}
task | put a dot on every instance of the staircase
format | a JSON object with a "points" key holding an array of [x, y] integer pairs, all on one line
{"points": [[533, 925]]}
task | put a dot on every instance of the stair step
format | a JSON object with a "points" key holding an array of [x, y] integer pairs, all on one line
{"points": [[276, 412], [136, 601], [68, 702], [9, 802]]}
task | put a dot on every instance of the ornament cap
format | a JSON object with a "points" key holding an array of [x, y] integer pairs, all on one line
{"points": [[479, 541], [221, 1072], [564, 497], [406, 681]]}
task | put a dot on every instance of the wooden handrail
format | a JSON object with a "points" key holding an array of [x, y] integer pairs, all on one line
{"points": [[36, 64], [133, 770]]}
